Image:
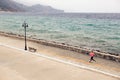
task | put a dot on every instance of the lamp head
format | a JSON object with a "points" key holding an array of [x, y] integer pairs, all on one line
{"points": [[24, 24]]}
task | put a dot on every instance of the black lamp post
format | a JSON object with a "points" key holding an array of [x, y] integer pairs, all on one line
{"points": [[25, 25]]}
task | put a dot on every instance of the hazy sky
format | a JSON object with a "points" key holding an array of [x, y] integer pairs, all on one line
{"points": [[79, 5]]}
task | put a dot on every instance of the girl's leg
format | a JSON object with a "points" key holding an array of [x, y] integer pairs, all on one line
{"points": [[90, 59], [93, 59]]}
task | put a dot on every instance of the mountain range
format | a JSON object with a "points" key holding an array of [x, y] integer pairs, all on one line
{"points": [[10, 5]]}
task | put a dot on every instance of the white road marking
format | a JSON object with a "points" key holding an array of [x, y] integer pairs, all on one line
{"points": [[63, 61]]}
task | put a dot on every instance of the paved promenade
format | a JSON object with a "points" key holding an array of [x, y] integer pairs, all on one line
{"points": [[21, 65]]}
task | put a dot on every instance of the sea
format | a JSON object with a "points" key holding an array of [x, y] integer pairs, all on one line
{"points": [[98, 31]]}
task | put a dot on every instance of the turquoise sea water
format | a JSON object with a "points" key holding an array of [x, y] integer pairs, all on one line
{"points": [[94, 31]]}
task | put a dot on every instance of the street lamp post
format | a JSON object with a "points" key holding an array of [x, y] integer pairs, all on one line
{"points": [[25, 25]]}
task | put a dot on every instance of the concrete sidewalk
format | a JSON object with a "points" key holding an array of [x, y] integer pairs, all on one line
{"points": [[20, 65]]}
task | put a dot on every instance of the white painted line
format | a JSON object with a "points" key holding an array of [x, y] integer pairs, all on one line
{"points": [[65, 62], [76, 65]]}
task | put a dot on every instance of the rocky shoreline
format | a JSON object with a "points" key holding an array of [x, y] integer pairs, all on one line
{"points": [[104, 55]]}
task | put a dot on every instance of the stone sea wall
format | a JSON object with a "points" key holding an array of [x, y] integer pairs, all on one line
{"points": [[108, 56]]}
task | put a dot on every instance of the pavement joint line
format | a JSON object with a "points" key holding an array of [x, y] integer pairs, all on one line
{"points": [[63, 61]]}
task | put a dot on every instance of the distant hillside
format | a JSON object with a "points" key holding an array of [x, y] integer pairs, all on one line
{"points": [[10, 5], [43, 9]]}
